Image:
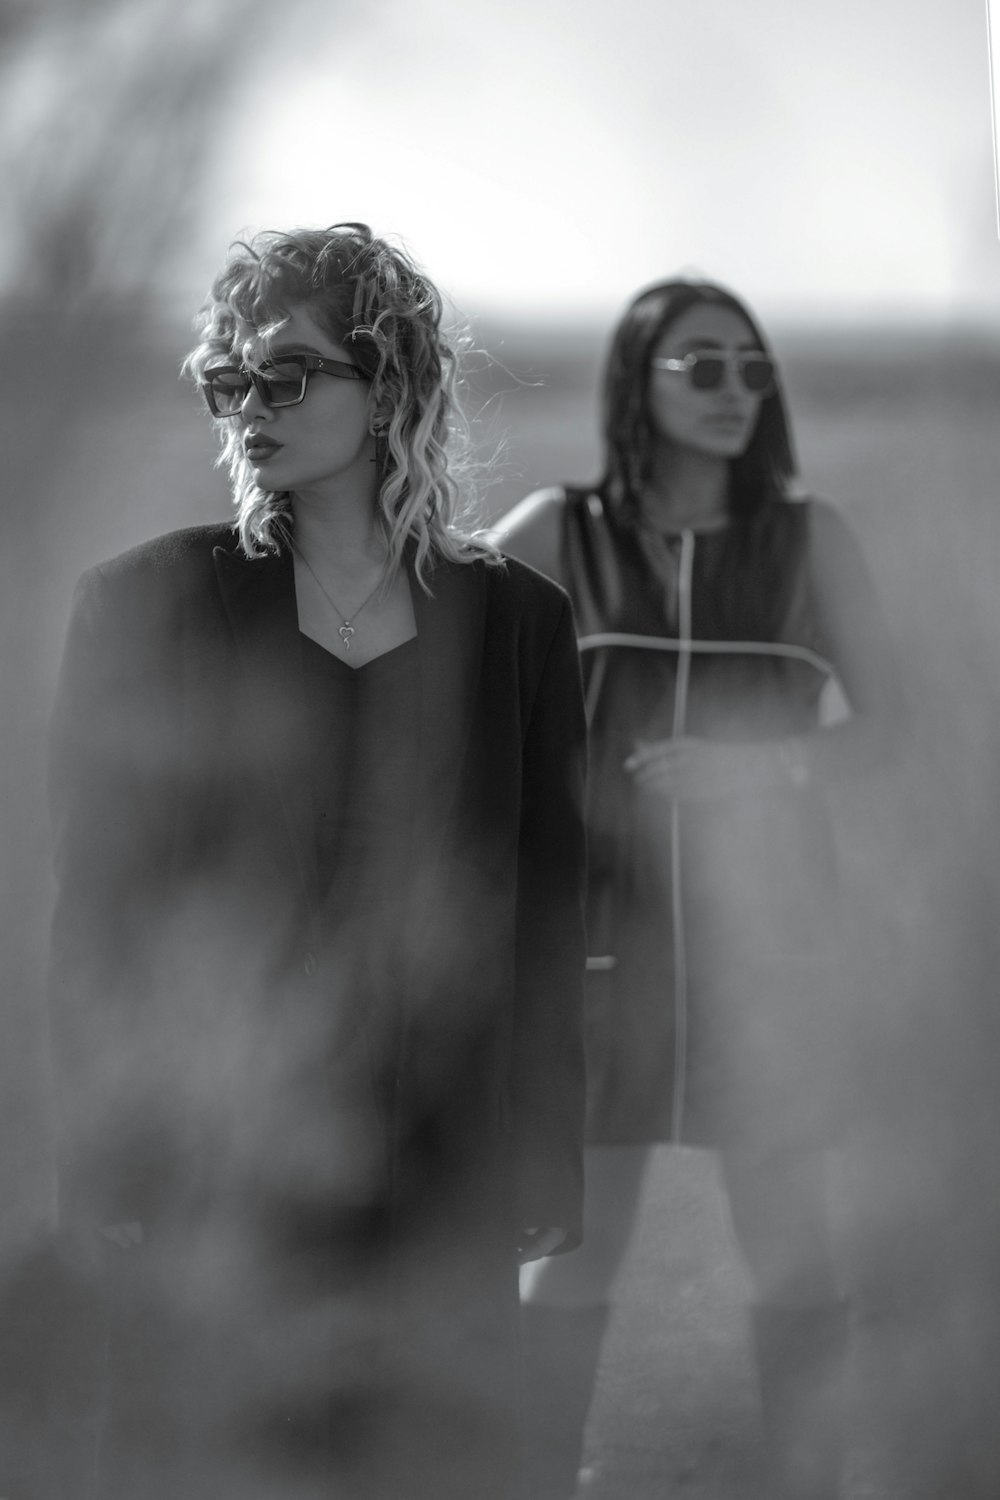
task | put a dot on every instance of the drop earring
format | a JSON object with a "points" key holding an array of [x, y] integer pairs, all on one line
{"points": [[381, 453]]}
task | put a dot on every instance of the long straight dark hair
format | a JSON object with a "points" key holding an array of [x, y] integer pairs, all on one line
{"points": [[760, 479]]}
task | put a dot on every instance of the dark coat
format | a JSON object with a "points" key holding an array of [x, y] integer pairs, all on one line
{"points": [[368, 1119]]}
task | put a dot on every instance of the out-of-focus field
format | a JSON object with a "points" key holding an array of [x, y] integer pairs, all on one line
{"points": [[105, 447]]}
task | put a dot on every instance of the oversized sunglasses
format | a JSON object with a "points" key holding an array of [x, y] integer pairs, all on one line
{"points": [[705, 369], [280, 382]]}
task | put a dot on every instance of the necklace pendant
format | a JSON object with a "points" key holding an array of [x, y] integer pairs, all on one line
{"points": [[345, 632]]}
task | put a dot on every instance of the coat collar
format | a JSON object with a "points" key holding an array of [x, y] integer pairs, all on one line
{"points": [[450, 627], [259, 597]]}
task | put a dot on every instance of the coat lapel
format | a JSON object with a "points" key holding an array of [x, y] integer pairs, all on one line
{"points": [[259, 596], [450, 641], [450, 630]]}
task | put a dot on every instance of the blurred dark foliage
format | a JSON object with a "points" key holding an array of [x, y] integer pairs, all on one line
{"points": [[109, 115]]}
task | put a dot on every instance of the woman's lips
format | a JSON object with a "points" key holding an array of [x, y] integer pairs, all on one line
{"points": [[720, 423], [259, 449]]}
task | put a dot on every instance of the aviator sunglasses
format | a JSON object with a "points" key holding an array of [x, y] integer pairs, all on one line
{"points": [[706, 368], [281, 382]]}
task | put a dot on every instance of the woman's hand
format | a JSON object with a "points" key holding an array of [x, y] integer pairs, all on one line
{"points": [[689, 770], [535, 1244]]}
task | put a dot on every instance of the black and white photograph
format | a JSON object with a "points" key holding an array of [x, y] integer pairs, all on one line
{"points": [[501, 775]]}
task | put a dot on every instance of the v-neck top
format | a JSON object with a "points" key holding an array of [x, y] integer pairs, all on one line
{"points": [[364, 728]]}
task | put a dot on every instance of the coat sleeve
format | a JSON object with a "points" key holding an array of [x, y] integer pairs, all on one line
{"points": [[548, 1082], [110, 749]]}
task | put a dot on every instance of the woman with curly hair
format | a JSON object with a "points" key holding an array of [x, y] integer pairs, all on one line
{"points": [[317, 960], [715, 605]]}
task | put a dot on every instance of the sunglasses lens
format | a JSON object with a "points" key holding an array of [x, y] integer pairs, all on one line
{"points": [[284, 382], [758, 373], [705, 371], [225, 390]]}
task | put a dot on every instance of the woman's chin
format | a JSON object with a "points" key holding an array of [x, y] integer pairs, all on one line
{"points": [[726, 442], [264, 469]]}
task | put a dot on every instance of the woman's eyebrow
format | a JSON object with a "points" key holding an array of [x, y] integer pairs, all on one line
{"points": [[687, 345], [296, 347]]}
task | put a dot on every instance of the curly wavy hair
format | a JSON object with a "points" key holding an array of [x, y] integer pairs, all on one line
{"points": [[766, 471], [369, 296]]}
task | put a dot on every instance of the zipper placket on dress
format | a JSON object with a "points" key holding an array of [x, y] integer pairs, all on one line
{"points": [[685, 570]]}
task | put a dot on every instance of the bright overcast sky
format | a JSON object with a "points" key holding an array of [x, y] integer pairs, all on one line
{"points": [[829, 157]]}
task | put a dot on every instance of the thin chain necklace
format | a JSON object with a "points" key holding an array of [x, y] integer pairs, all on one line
{"points": [[346, 629]]}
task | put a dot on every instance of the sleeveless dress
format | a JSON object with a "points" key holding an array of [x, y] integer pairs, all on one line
{"points": [[714, 1015]]}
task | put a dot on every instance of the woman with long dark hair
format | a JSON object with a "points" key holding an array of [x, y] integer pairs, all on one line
{"points": [[318, 946], [714, 607]]}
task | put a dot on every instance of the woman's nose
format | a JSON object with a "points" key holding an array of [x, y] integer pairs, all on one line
{"points": [[253, 406], [732, 384]]}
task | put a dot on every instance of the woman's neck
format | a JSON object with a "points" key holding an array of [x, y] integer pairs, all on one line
{"points": [[337, 533], [686, 491]]}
